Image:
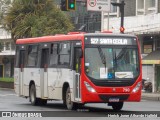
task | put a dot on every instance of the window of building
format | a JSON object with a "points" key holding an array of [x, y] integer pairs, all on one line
{"points": [[140, 7], [113, 8], [12, 46], [147, 44], [146, 7], [147, 49], [64, 53], [140, 4], [152, 3], [151, 8], [157, 40], [32, 55], [8, 45], [54, 54]]}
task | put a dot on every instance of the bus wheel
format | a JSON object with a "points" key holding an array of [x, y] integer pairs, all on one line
{"points": [[117, 106], [32, 95], [70, 105]]}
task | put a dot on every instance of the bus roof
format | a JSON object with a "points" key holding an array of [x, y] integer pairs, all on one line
{"points": [[49, 39], [65, 37]]}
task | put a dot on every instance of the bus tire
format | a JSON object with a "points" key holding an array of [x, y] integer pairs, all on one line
{"points": [[32, 95], [117, 106], [69, 104]]}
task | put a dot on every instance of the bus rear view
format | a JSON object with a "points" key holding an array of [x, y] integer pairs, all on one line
{"points": [[112, 70]]}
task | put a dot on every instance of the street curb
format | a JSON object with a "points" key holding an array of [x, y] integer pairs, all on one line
{"points": [[155, 98], [150, 98], [7, 89]]}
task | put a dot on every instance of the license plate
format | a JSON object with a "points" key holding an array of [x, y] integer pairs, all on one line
{"points": [[113, 99]]}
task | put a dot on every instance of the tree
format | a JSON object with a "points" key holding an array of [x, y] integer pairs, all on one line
{"points": [[34, 18], [4, 4]]}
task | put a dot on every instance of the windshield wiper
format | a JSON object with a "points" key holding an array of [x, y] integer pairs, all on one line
{"points": [[102, 55], [121, 53]]}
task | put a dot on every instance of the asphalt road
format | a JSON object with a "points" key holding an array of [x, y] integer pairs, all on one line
{"points": [[10, 102]]}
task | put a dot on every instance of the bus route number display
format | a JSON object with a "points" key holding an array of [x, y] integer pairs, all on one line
{"points": [[110, 41]]}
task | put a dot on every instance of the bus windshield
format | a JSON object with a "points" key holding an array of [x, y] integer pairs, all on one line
{"points": [[111, 62]]}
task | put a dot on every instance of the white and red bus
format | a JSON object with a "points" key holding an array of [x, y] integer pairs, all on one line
{"points": [[79, 68]]}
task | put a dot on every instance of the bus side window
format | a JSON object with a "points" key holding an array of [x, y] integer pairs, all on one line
{"points": [[20, 57], [51, 51], [32, 55], [54, 54], [64, 54], [44, 58]]}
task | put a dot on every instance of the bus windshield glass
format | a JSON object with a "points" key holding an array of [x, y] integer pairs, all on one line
{"points": [[111, 62]]}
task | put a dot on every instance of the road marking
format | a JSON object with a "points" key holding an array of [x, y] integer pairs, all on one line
{"points": [[8, 95]]}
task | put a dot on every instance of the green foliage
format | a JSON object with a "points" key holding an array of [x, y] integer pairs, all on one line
{"points": [[34, 18], [7, 79]]}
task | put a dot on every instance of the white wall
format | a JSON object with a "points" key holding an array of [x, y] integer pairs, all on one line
{"points": [[135, 24], [4, 34]]}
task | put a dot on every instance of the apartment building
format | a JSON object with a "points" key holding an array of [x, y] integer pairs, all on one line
{"points": [[7, 47], [142, 18]]}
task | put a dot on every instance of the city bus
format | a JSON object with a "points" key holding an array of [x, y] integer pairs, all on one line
{"points": [[79, 68]]}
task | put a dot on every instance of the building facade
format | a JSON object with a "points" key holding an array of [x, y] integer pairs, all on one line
{"points": [[7, 46], [142, 18], [83, 20]]}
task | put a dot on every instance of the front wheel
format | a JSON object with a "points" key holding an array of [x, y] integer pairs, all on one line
{"points": [[69, 104], [117, 106]]}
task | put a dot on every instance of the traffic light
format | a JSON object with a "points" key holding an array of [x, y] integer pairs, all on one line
{"points": [[71, 4], [64, 5], [67, 5]]}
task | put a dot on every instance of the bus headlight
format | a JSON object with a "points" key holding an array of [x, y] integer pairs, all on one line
{"points": [[137, 87], [89, 88]]}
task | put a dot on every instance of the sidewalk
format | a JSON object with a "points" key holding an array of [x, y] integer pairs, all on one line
{"points": [[151, 96]]}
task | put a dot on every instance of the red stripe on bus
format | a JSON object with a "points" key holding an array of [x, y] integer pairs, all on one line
{"points": [[49, 39]]}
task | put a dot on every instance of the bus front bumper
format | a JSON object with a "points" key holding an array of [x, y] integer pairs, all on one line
{"points": [[111, 97]]}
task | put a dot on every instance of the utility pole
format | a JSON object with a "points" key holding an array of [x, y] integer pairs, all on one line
{"points": [[121, 6]]}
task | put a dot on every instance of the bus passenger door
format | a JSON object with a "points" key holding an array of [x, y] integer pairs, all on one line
{"points": [[77, 68], [21, 69], [44, 72]]}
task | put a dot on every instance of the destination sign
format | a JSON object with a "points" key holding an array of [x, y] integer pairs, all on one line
{"points": [[110, 41]]}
